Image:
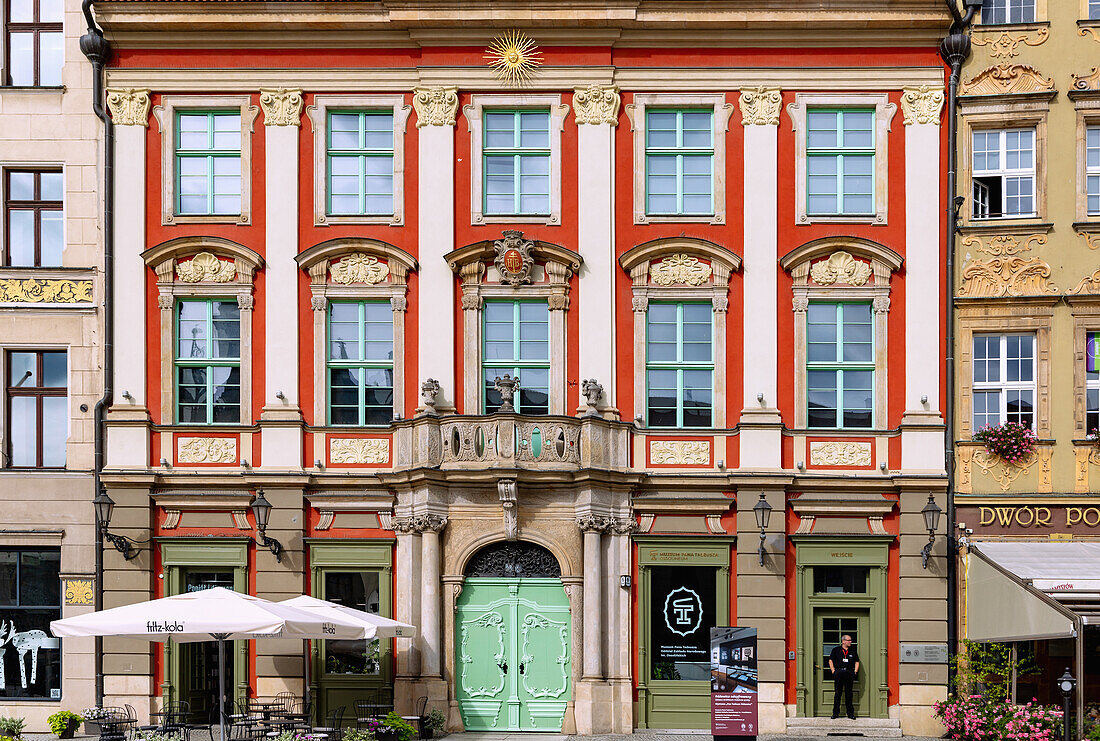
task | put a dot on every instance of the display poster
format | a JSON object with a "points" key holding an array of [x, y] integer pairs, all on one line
{"points": [[733, 691], [682, 616]]}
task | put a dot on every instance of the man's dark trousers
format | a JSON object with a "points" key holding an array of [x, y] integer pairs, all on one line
{"points": [[842, 683]]}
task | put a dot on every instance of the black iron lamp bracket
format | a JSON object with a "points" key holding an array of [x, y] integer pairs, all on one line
{"points": [[273, 545], [125, 546], [926, 552]]}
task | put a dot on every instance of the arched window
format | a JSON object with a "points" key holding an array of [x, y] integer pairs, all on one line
{"points": [[514, 559]]}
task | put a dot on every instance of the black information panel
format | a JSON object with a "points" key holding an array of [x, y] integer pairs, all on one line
{"points": [[681, 616]]}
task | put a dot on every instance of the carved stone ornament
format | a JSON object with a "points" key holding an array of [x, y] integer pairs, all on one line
{"points": [[429, 390], [1007, 79], [593, 523], [1089, 286], [837, 453], [1000, 470], [1089, 31], [399, 303], [1091, 240], [128, 106], [1006, 274], [205, 267], [171, 519], [679, 452], [622, 525], [800, 304], [681, 268], [640, 303], [45, 291], [841, 267], [318, 303], [1090, 81], [429, 523], [435, 106], [592, 391], [506, 386], [403, 525], [596, 104], [511, 559], [514, 260], [206, 449], [1005, 45], [79, 592], [506, 490], [921, 105], [760, 106], [359, 268], [359, 450], [245, 301], [281, 107]]}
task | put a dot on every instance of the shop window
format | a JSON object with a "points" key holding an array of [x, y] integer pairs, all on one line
{"points": [[1003, 164], [34, 217], [360, 360], [840, 579], [208, 362], [35, 43], [840, 368], [840, 162], [1092, 170], [683, 604], [517, 342], [1004, 379], [680, 365], [360, 163], [516, 153], [38, 409], [208, 163], [1092, 385], [679, 162], [359, 590], [996, 12], [30, 597]]}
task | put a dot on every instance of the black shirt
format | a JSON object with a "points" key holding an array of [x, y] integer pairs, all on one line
{"points": [[844, 663]]}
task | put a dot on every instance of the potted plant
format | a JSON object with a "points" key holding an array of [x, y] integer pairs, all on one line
{"points": [[1010, 441], [394, 728], [432, 723], [92, 716], [64, 724], [12, 728]]}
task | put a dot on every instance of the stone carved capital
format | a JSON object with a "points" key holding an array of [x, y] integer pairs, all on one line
{"points": [[245, 301], [593, 523], [318, 303], [597, 104], [640, 303], [128, 106], [282, 107], [399, 303], [760, 106], [429, 523], [881, 304], [720, 304], [435, 106], [921, 105], [165, 301], [622, 525], [403, 525], [800, 304]]}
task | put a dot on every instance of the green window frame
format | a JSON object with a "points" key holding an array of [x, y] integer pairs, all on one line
{"points": [[208, 361], [680, 365], [208, 163], [840, 161], [516, 341], [840, 365], [679, 162], [516, 158], [360, 363], [360, 163]]}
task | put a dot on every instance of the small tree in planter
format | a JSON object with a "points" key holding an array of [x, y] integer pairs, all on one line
{"points": [[64, 724], [1012, 442]]}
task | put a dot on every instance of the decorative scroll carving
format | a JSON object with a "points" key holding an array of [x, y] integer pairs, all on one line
{"points": [[681, 268], [513, 258], [79, 592], [1007, 79], [760, 106], [171, 519], [403, 525], [645, 522], [385, 519], [359, 450], [1004, 46], [877, 526], [1081, 468], [206, 449], [921, 105], [966, 461], [205, 267], [128, 106], [240, 519], [800, 304], [1089, 31], [1000, 470], [506, 491], [327, 517], [714, 525], [838, 453], [593, 523], [435, 106], [1089, 286], [679, 452], [281, 107], [512, 559], [841, 267], [881, 304], [1006, 274], [45, 291], [1090, 81], [359, 268], [597, 104]]}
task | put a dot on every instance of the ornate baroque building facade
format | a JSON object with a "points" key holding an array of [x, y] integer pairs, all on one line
{"points": [[518, 333]]}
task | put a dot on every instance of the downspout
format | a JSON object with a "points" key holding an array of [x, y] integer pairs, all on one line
{"points": [[954, 49], [98, 52]]}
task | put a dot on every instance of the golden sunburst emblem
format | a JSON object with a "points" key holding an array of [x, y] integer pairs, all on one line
{"points": [[514, 56]]}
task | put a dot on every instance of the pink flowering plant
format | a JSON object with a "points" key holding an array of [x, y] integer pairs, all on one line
{"points": [[1011, 441], [977, 718]]}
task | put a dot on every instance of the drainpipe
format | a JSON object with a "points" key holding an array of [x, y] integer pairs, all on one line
{"points": [[954, 49], [98, 52]]}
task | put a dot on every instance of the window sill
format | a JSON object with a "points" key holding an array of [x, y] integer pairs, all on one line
{"points": [[1002, 226], [33, 89], [1092, 226], [806, 219], [206, 219], [999, 27], [679, 219], [387, 219], [548, 219]]}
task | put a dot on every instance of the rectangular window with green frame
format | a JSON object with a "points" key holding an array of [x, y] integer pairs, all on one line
{"points": [[360, 163], [360, 363], [680, 365], [208, 362], [516, 151], [517, 342], [840, 365], [679, 162], [840, 162], [208, 163]]}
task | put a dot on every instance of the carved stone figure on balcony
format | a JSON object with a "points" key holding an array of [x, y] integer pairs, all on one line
{"points": [[428, 391], [506, 386], [592, 391]]}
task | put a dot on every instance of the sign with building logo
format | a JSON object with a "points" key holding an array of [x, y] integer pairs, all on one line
{"points": [[734, 708], [682, 615]]}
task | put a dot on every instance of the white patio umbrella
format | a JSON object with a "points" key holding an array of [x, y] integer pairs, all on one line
{"points": [[217, 614]]}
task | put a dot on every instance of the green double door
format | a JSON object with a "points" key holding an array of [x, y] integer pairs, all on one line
{"points": [[512, 651]]}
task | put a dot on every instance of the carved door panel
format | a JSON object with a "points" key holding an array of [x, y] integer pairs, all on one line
{"points": [[484, 634], [542, 619]]}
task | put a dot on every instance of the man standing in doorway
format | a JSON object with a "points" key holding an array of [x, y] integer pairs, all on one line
{"points": [[844, 664]]}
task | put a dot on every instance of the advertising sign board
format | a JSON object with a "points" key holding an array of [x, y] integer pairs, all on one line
{"points": [[733, 683]]}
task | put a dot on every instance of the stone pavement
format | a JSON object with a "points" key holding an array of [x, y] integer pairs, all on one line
{"points": [[651, 735]]}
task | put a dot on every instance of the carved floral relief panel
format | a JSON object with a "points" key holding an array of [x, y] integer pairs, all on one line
{"points": [[359, 451], [679, 452], [840, 453], [206, 450]]}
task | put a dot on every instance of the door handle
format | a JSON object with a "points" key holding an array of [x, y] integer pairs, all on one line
{"points": [[521, 667], [503, 667]]}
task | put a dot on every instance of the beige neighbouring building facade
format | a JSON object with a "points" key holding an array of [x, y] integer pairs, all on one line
{"points": [[51, 327]]}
